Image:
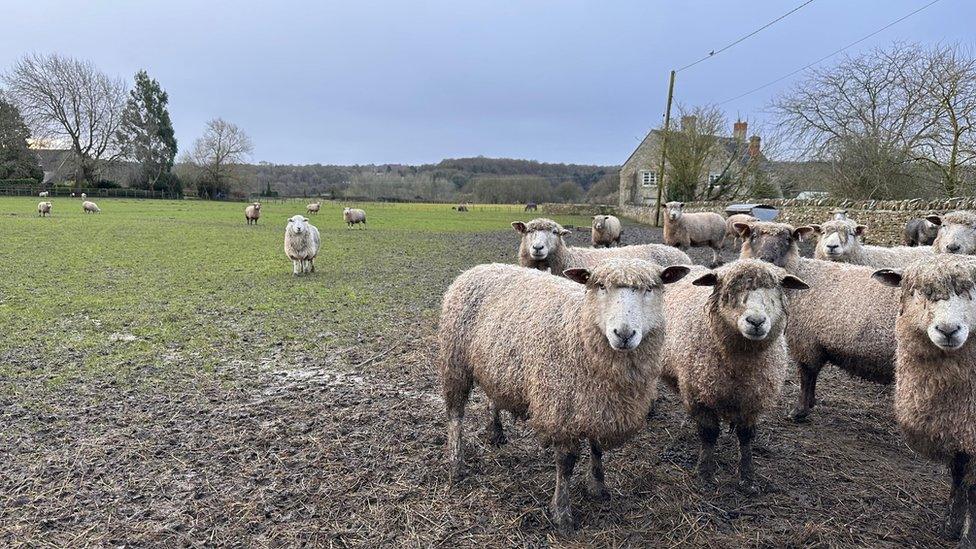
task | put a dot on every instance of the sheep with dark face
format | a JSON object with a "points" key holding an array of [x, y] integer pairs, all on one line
{"points": [[843, 318], [957, 233], [605, 231], [919, 232], [698, 230], [840, 240], [542, 247], [724, 352], [935, 388], [44, 208], [579, 358]]}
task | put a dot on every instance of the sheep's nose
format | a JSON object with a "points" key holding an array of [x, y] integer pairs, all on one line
{"points": [[537, 247], [624, 334], [756, 320], [832, 247], [948, 329], [953, 247]]}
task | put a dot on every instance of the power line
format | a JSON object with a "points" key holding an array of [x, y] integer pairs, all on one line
{"points": [[713, 53], [829, 55]]}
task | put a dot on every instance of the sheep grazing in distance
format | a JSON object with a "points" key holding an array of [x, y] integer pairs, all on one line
{"points": [[724, 352], [353, 216], [531, 207], [684, 230], [460, 208], [844, 318], [840, 240], [576, 361], [606, 231], [839, 214], [919, 232], [542, 247], [957, 233], [313, 208], [42, 194], [730, 222], [90, 207], [84, 196], [252, 213], [935, 389], [44, 208], [301, 244]]}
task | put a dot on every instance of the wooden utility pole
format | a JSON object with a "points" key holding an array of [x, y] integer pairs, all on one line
{"points": [[664, 154]]}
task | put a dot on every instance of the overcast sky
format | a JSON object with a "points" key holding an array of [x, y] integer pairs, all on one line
{"points": [[364, 81]]}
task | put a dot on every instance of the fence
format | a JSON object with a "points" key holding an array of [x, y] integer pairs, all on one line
{"points": [[103, 193]]}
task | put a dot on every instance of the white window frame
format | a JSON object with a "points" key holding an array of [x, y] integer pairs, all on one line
{"points": [[648, 178]]}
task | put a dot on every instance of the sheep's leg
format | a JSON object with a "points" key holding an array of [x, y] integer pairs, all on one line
{"points": [[747, 472], [708, 430], [295, 267], [808, 391], [958, 500], [496, 434], [596, 487], [716, 256], [562, 512], [311, 265], [457, 389]]}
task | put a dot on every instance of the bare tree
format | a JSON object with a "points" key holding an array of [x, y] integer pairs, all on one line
{"points": [[70, 101], [216, 154], [691, 148]]}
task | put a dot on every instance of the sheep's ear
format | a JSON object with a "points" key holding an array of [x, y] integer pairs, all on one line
{"points": [[860, 230], [577, 275], [595, 216], [801, 233], [791, 282], [674, 273], [744, 229], [817, 229], [564, 232], [519, 227], [934, 219], [888, 277], [707, 279]]}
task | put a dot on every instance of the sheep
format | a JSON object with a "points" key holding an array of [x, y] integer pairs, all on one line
{"points": [[542, 247], [732, 220], [684, 230], [460, 208], [605, 231], [252, 213], [919, 232], [839, 214], [844, 318], [353, 216], [44, 208], [90, 207], [84, 196], [840, 240], [42, 194], [531, 207], [578, 358], [724, 353], [72, 195], [935, 383], [957, 233], [301, 244], [313, 208]]}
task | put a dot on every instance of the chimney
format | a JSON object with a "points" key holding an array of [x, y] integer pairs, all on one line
{"points": [[688, 123], [739, 130], [754, 146]]}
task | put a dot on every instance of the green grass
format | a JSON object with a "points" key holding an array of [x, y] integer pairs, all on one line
{"points": [[202, 293]]}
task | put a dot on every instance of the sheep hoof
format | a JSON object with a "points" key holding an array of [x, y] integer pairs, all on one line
{"points": [[564, 521], [799, 415], [597, 491]]}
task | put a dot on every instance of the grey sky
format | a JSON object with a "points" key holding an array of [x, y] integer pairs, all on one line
{"points": [[372, 82]]}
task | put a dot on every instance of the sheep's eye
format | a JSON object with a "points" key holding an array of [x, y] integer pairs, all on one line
{"points": [[603, 287], [555, 232]]}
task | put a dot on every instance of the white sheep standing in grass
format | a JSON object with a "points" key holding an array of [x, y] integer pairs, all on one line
{"points": [[90, 207], [301, 244], [252, 213], [935, 382], [42, 194], [840, 240], [44, 208], [84, 196], [577, 361], [353, 216], [313, 208]]}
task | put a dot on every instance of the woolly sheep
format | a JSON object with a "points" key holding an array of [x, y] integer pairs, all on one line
{"points": [[731, 220], [353, 216], [705, 229], [301, 244], [577, 361], [605, 231], [919, 232], [44, 208], [252, 213], [84, 196], [42, 194], [531, 207], [542, 248], [90, 207], [724, 352], [460, 208], [314, 207], [839, 214], [935, 389], [843, 318], [957, 233], [840, 240]]}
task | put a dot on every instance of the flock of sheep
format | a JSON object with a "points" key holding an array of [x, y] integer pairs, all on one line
{"points": [[575, 340], [44, 207]]}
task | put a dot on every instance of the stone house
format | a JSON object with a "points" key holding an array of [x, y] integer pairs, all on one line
{"points": [[639, 175]]}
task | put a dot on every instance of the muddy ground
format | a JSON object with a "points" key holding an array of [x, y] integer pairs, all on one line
{"points": [[346, 451]]}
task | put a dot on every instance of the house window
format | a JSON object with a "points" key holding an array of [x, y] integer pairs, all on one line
{"points": [[648, 178]]}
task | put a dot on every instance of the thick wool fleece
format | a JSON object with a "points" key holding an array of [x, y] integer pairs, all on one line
{"points": [[707, 360], [563, 256], [531, 342], [864, 254], [304, 245], [695, 229], [609, 234]]}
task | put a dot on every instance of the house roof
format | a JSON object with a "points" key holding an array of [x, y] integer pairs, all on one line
{"points": [[730, 144]]}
